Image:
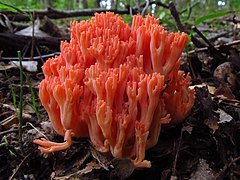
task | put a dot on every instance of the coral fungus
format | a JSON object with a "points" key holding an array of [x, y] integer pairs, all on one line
{"points": [[109, 84]]}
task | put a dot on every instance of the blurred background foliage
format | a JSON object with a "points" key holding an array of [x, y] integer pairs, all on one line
{"points": [[201, 7], [189, 10]]}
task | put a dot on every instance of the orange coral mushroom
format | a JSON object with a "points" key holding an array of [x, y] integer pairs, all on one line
{"points": [[108, 84]]}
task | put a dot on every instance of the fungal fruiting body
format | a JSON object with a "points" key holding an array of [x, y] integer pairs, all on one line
{"points": [[116, 85]]}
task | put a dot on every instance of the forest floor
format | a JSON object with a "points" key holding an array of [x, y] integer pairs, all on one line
{"points": [[205, 146]]}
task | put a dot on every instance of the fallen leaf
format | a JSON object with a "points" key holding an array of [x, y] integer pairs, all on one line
{"points": [[102, 160], [30, 66], [212, 124], [203, 171], [187, 129], [224, 117], [123, 168], [89, 168]]}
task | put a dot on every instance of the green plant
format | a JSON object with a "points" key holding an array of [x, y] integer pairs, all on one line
{"points": [[213, 15], [33, 103], [10, 7], [13, 91], [5, 144], [19, 106], [13, 8]]}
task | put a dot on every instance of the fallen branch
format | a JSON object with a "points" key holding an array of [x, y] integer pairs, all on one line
{"points": [[58, 14], [197, 50], [43, 57], [11, 43]]}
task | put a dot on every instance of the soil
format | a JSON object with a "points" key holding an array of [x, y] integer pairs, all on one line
{"points": [[206, 145]]}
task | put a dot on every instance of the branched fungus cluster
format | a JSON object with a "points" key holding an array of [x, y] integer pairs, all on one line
{"points": [[116, 85]]}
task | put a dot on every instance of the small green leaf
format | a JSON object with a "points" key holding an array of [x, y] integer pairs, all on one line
{"points": [[10, 7], [162, 15], [189, 39], [14, 9], [214, 15]]}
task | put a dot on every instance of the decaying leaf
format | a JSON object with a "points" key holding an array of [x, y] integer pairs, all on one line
{"points": [[224, 117], [123, 168], [203, 171], [76, 175], [187, 129], [30, 66], [212, 124], [102, 160], [29, 30]]}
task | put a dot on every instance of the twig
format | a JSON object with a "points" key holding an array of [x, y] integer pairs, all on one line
{"points": [[145, 5], [28, 58], [9, 120], [19, 166], [28, 123], [16, 130], [229, 102], [181, 27], [176, 17], [213, 38], [33, 34], [8, 131], [145, 8], [191, 7], [218, 46], [39, 53], [59, 14], [215, 53], [11, 149], [138, 5], [130, 11], [158, 3], [195, 29], [21, 102], [219, 176], [176, 155], [4, 113], [192, 70], [25, 48]]}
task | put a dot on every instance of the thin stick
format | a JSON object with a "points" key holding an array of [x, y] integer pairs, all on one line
{"points": [[138, 5], [19, 166], [11, 149], [21, 102], [39, 54], [29, 58], [30, 124], [181, 27], [2, 133], [176, 17], [176, 156], [219, 176], [145, 8], [33, 29], [218, 46], [195, 29], [191, 7]]}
